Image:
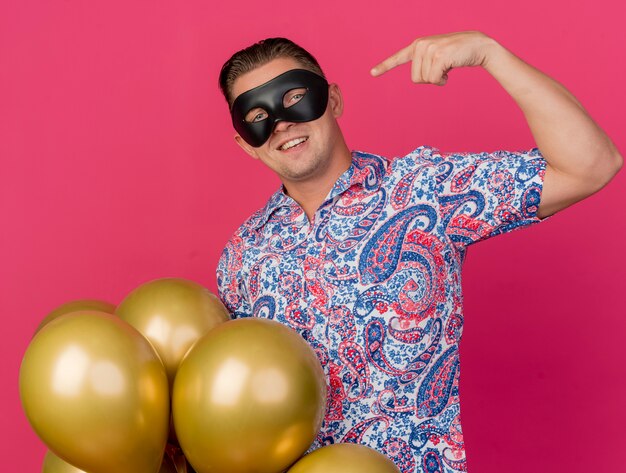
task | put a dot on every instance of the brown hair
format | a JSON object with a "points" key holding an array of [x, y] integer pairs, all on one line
{"points": [[261, 53]]}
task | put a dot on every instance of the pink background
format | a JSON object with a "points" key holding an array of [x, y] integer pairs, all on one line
{"points": [[118, 166]]}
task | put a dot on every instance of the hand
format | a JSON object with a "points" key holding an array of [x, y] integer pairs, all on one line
{"points": [[434, 56]]}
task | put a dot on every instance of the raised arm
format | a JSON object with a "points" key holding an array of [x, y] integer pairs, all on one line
{"points": [[581, 157]]}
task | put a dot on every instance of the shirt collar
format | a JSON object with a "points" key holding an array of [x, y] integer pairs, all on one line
{"points": [[365, 171]]}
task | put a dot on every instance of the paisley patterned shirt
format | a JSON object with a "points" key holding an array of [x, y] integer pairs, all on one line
{"points": [[373, 283]]}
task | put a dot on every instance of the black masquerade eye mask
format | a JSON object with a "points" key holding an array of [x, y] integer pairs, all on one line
{"points": [[295, 96]]}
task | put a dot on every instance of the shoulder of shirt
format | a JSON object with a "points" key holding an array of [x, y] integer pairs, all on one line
{"points": [[423, 155], [420, 160]]}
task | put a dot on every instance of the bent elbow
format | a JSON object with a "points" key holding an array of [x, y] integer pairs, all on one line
{"points": [[619, 162], [614, 164], [608, 167]]}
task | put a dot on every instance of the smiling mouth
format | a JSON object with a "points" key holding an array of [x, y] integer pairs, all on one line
{"points": [[293, 143]]}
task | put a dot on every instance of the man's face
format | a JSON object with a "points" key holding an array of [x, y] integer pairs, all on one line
{"points": [[316, 140]]}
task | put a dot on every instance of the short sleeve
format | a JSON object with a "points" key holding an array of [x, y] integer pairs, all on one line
{"points": [[482, 195], [230, 283]]}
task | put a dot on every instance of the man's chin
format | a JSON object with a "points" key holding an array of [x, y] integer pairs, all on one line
{"points": [[300, 175]]}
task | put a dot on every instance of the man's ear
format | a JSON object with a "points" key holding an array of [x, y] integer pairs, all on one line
{"points": [[335, 100], [246, 147]]}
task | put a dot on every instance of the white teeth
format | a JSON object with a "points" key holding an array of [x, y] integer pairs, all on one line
{"points": [[292, 143]]}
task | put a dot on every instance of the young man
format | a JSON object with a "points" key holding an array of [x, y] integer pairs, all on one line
{"points": [[362, 254]]}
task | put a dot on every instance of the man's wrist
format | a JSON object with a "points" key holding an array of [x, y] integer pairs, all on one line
{"points": [[493, 54]]}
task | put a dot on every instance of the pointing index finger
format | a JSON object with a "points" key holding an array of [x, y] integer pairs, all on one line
{"points": [[401, 57]]}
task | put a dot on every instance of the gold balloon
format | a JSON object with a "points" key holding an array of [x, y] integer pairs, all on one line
{"points": [[53, 464], [96, 393], [249, 396], [172, 313], [74, 306], [345, 458]]}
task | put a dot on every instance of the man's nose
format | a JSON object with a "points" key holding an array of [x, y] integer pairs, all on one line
{"points": [[282, 125]]}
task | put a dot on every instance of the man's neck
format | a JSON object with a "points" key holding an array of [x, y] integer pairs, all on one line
{"points": [[310, 194]]}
